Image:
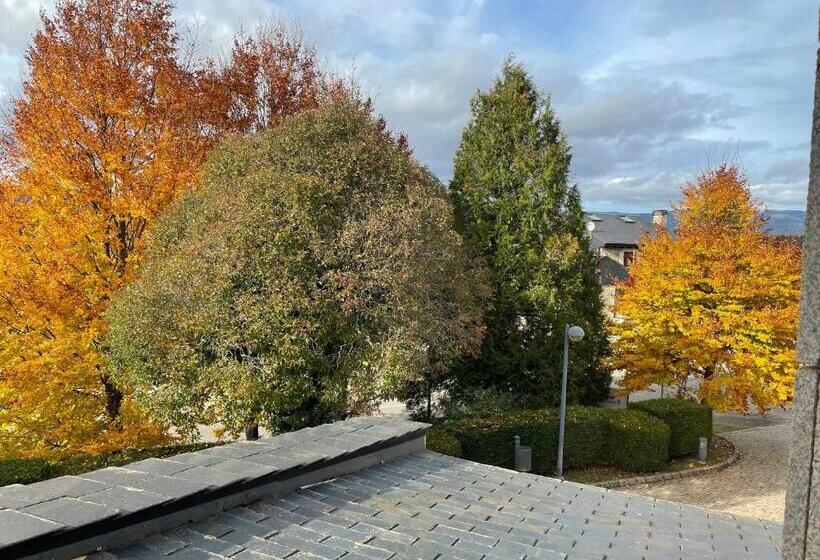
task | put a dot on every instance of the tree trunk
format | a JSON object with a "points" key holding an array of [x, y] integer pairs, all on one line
{"points": [[127, 232], [252, 432], [429, 401], [113, 398]]}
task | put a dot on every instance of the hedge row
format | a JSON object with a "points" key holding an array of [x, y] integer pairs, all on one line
{"points": [[628, 439], [23, 471], [688, 421]]}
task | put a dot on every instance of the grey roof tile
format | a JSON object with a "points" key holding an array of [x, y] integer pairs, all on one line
{"points": [[198, 459], [210, 543], [255, 555], [163, 544], [245, 468], [15, 496], [159, 466], [126, 499], [72, 512], [173, 487], [116, 476], [194, 553], [209, 475], [16, 526], [616, 228], [430, 506], [210, 527], [71, 486]]}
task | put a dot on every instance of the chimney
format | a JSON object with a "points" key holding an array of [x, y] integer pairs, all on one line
{"points": [[660, 218]]}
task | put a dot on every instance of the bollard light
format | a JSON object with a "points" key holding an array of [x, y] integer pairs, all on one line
{"points": [[703, 449], [523, 456]]}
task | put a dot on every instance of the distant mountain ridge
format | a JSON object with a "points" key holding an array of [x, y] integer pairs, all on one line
{"points": [[780, 222]]}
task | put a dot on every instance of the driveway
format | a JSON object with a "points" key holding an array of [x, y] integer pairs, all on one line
{"points": [[756, 485]]}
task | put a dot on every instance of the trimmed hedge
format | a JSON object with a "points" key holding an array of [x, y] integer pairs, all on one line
{"points": [[491, 440], [688, 421], [593, 436], [442, 440], [637, 441], [23, 471]]}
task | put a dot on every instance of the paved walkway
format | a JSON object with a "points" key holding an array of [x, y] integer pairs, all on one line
{"points": [[755, 486]]}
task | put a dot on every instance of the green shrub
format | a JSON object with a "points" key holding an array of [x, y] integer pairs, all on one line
{"points": [[688, 421], [627, 439], [491, 440], [23, 471], [636, 441], [585, 436], [442, 440], [320, 234], [482, 403]]}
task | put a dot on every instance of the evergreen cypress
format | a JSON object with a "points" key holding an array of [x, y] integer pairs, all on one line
{"points": [[514, 203]]}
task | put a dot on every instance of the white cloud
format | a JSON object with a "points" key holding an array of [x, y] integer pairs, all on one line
{"points": [[649, 93]]}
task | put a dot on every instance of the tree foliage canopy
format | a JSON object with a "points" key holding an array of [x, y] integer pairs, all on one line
{"points": [[718, 302], [113, 122], [515, 205], [316, 271]]}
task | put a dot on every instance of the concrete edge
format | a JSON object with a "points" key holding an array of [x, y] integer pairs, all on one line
{"points": [[663, 477]]}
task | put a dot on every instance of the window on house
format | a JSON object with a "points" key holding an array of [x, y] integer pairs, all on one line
{"points": [[629, 259]]}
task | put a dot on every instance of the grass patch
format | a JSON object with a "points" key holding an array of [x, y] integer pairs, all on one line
{"points": [[720, 449]]}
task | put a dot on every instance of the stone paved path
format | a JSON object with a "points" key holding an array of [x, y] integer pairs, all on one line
{"points": [[755, 486]]}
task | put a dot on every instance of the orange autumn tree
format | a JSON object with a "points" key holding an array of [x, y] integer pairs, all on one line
{"points": [[717, 302], [270, 74], [101, 138], [110, 126]]}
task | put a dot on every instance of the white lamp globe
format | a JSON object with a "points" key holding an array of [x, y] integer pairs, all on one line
{"points": [[575, 333]]}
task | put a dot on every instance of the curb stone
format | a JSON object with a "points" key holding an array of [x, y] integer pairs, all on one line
{"points": [[663, 477]]}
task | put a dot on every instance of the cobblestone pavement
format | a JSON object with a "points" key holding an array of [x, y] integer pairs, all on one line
{"points": [[755, 486]]}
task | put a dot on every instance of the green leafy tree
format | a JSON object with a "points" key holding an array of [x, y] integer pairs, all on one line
{"points": [[316, 271], [515, 205]]}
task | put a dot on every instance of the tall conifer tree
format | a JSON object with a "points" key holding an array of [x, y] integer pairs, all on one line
{"points": [[515, 204]]}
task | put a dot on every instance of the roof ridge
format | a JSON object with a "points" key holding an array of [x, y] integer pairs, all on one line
{"points": [[70, 516]]}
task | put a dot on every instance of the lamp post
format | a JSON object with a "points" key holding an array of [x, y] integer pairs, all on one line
{"points": [[571, 333]]}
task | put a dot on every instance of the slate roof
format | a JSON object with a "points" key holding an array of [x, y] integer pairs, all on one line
{"points": [[361, 489], [428, 506], [73, 511], [615, 229]]}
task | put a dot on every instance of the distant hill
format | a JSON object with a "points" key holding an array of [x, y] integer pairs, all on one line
{"points": [[780, 222], [787, 222]]}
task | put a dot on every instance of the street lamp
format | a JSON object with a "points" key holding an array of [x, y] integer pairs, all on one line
{"points": [[573, 333]]}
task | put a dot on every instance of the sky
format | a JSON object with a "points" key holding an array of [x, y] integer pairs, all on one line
{"points": [[649, 92]]}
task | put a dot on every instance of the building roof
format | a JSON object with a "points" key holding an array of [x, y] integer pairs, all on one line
{"points": [[615, 229], [390, 499]]}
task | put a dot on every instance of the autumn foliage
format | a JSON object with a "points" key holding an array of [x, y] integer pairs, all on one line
{"points": [[315, 271], [717, 302], [111, 125], [270, 74]]}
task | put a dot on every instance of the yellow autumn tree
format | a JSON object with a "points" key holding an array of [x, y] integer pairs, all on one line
{"points": [[110, 126], [716, 302], [101, 138]]}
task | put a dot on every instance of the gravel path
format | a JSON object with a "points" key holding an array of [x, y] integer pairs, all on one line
{"points": [[755, 486]]}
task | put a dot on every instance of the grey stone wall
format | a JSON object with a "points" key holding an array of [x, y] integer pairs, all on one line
{"points": [[801, 531]]}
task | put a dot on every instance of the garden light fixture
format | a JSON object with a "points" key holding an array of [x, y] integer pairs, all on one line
{"points": [[571, 333]]}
